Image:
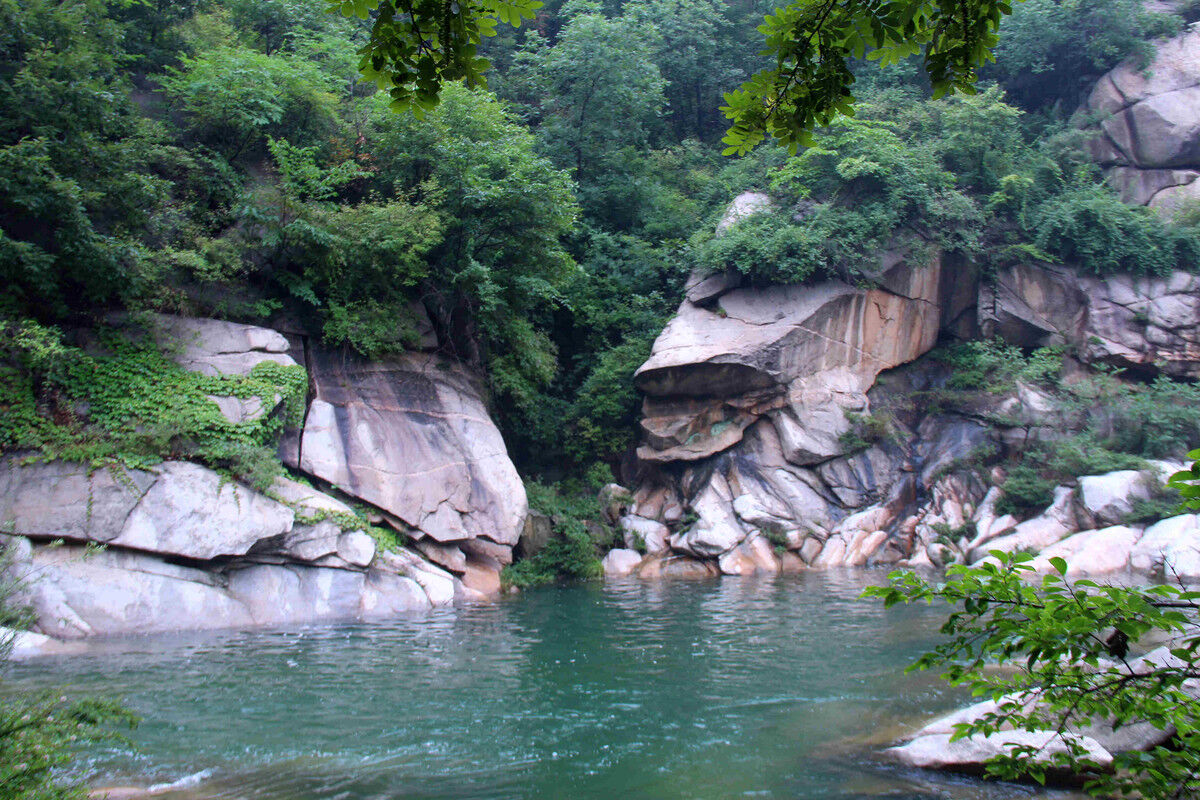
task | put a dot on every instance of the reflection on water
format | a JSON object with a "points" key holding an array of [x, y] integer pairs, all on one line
{"points": [[774, 688]]}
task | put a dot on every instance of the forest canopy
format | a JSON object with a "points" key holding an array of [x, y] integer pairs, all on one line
{"points": [[227, 158]]}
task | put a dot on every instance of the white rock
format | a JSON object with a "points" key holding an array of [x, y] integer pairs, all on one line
{"points": [[969, 754], [833, 554], [75, 594], [653, 534], [745, 205], [356, 548], [1170, 547], [306, 500], [619, 563], [1092, 552], [438, 584], [217, 347], [1110, 497], [1038, 533], [755, 554]]}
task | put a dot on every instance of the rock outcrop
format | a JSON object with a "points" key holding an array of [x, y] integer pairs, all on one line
{"points": [[182, 547], [750, 395], [1150, 125], [1144, 323], [786, 414]]}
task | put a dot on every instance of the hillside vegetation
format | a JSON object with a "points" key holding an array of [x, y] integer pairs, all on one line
{"points": [[223, 158]]}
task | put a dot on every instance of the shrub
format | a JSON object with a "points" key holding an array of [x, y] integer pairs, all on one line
{"points": [[577, 537], [1091, 227], [1024, 491]]}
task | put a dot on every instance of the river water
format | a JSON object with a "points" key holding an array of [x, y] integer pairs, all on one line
{"points": [[774, 688]]}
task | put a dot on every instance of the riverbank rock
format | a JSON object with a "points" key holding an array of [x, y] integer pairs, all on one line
{"points": [[620, 562], [186, 548], [1097, 552], [78, 593], [412, 437], [971, 753]]}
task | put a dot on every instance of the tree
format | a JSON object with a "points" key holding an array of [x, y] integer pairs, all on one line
{"points": [[1067, 646], [501, 259], [416, 47], [75, 194], [599, 93]]}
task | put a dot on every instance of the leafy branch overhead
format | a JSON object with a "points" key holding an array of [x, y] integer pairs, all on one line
{"points": [[813, 42], [416, 46]]}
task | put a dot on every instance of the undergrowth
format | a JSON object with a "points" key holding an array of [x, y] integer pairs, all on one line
{"points": [[124, 402], [577, 540]]}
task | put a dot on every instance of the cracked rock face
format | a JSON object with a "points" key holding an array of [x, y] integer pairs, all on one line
{"points": [[1146, 323], [1150, 125], [413, 437], [748, 392]]}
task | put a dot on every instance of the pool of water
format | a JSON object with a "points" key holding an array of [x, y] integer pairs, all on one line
{"points": [[772, 688]]}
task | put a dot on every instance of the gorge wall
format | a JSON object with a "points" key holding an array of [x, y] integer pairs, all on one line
{"points": [[757, 398], [177, 546]]}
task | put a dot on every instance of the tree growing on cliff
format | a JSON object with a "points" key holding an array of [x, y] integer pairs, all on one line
{"points": [[1067, 644]]}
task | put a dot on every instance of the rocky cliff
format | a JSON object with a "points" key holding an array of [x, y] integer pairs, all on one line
{"points": [[757, 452], [438, 504]]}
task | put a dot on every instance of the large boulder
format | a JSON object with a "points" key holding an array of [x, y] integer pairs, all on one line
{"points": [[1110, 497], [1149, 124], [620, 562], [412, 436], [808, 353], [1055, 523], [752, 395], [176, 509]]}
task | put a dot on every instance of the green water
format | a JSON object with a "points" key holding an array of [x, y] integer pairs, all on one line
{"points": [[782, 688]]}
